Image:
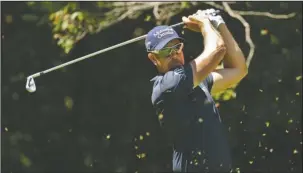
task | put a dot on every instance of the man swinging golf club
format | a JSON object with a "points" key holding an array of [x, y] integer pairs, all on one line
{"points": [[182, 92]]}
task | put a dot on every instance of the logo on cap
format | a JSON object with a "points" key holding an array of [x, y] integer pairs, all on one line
{"points": [[163, 32]]}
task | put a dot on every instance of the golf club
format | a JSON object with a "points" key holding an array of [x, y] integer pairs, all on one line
{"points": [[30, 83]]}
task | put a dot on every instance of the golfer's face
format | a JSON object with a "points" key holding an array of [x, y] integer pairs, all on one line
{"points": [[178, 55]]}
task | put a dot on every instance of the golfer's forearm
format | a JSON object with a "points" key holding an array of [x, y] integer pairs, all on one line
{"points": [[234, 57], [214, 50], [212, 38]]}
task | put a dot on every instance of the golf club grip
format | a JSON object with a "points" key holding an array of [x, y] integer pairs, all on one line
{"points": [[95, 53], [177, 24]]}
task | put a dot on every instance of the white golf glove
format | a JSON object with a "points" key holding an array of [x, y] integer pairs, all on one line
{"points": [[214, 17]]}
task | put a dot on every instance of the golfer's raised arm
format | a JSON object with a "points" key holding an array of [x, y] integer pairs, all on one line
{"points": [[214, 48], [235, 68]]}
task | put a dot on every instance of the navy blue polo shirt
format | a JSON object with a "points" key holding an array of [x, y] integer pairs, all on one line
{"points": [[191, 121]]}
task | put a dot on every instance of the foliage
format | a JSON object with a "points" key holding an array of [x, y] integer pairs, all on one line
{"points": [[96, 116], [72, 21]]}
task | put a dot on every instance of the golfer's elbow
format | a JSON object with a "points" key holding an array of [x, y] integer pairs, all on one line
{"points": [[243, 67], [238, 62], [243, 71]]}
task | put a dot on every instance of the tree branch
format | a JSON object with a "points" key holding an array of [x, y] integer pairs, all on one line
{"points": [[155, 11], [238, 15], [267, 14], [131, 8], [253, 13], [247, 31], [114, 12]]}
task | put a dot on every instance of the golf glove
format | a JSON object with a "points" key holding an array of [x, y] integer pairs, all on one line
{"points": [[214, 17]]}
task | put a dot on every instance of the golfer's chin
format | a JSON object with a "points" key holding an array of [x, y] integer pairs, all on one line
{"points": [[181, 61]]}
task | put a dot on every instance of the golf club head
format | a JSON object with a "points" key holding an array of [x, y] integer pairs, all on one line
{"points": [[30, 84]]}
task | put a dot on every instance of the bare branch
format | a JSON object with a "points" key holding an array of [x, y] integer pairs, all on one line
{"points": [[253, 13], [247, 31], [238, 15], [267, 14], [169, 11], [112, 22], [155, 11], [130, 9], [80, 36]]}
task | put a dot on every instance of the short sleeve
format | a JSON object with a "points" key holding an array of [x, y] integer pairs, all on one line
{"points": [[179, 80], [208, 82]]}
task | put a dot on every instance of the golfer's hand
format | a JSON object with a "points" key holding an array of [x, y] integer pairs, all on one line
{"points": [[214, 17], [196, 21]]}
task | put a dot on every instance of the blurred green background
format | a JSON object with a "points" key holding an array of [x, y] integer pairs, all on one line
{"points": [[96, 115]]}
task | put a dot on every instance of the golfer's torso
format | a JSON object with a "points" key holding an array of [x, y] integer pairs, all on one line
{"points": [[185, 120]]}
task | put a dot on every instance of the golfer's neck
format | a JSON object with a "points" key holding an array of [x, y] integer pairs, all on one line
{"points": [[169, 67]]}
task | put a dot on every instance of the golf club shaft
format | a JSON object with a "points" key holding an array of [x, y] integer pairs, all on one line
{"points": [[94, 54]]}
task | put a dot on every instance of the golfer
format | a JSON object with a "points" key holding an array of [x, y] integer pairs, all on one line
{"points": [[182, 92]]}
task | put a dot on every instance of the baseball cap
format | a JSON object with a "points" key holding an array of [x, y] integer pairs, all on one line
{"points": [[159, 36]]}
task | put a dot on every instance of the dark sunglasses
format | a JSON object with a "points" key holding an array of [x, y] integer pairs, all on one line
{"points": [[169, 51]]}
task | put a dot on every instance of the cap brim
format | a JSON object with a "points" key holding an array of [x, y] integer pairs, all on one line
{"points": [[162, 44]]}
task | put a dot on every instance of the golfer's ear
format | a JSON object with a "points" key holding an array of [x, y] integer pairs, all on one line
{"points": [[152, 58]]}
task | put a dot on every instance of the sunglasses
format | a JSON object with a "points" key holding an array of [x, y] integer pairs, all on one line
{"points": [[169, 51]]}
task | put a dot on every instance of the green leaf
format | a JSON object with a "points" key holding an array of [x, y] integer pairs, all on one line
{"points": [[298, 77], [264, 32], [100, 4], [78, 15], [67, 49], [61, 41], [68, 102], [25, 160], [8, 18], [184, 5], [290, 121], [52, 16], [295, 151], [64, 25], [56, 28], [141, 137], [274, 39], [147, 18], [72, 28]]}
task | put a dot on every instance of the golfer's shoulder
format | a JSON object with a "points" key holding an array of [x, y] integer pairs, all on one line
{"points": [[173, 78]]}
